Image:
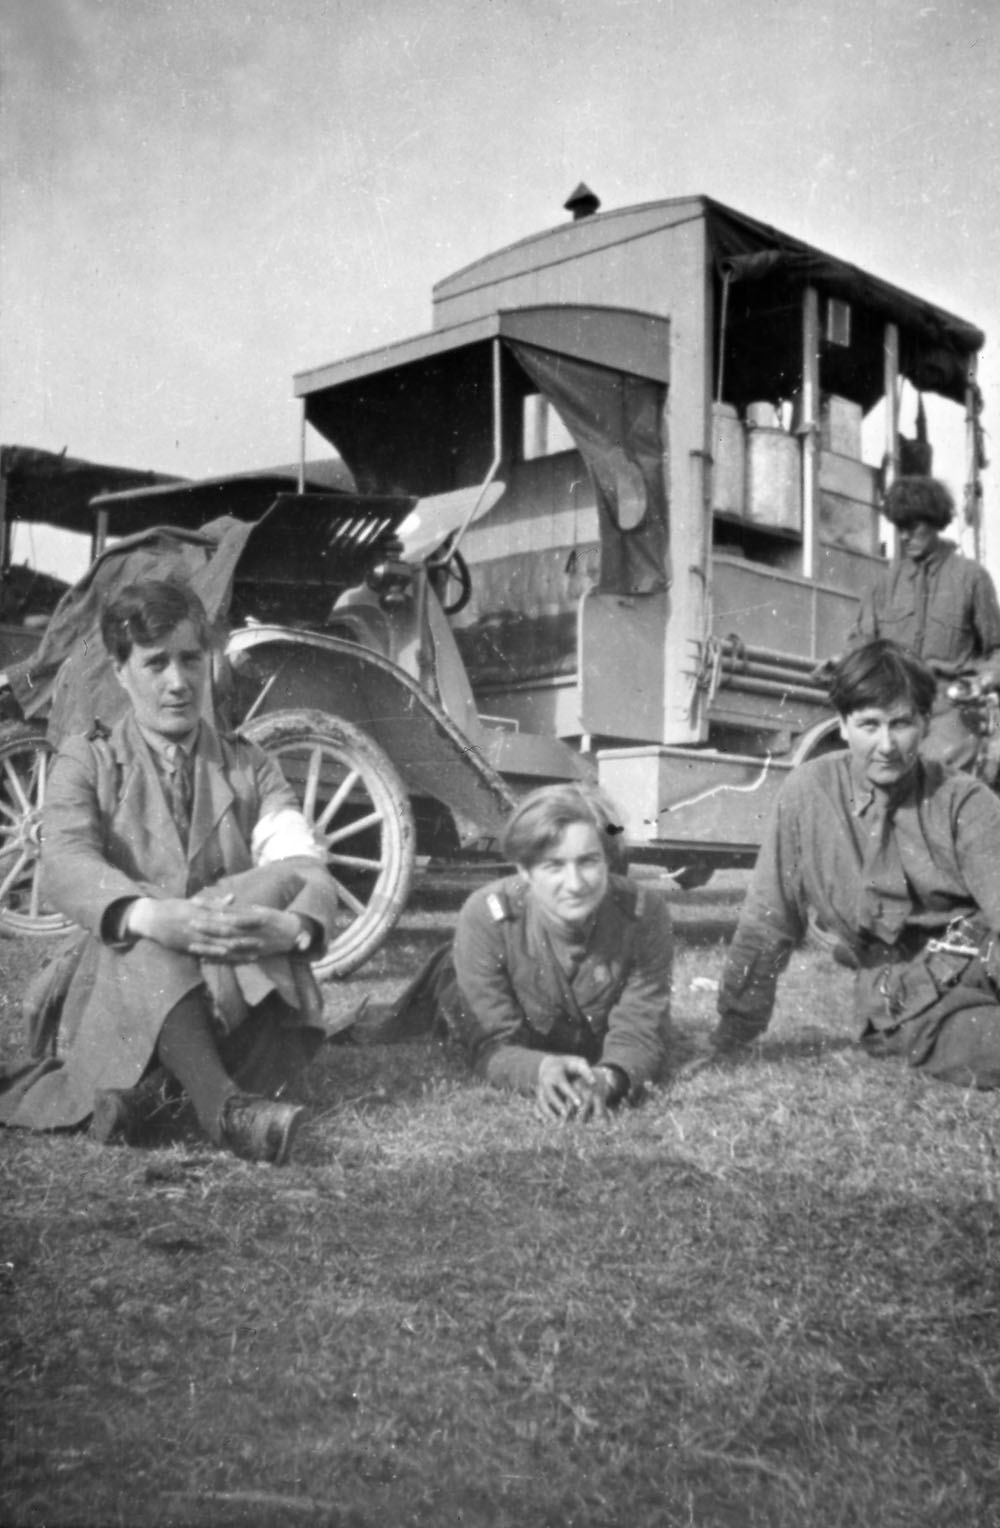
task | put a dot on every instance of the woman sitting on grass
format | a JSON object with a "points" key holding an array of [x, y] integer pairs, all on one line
{"points": [[557, 983], [183, 854]]}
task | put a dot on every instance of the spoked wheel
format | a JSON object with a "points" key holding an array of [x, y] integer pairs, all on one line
{"points": [[358, 809], [25, 757]]}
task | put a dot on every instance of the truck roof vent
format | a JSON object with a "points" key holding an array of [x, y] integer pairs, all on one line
{"points": [[583, 203]]}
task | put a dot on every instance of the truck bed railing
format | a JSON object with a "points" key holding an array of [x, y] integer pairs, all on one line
{"points": [[764, 671]]}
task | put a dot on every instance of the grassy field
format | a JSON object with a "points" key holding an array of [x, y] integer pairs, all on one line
{"points": [[767, 1296]]}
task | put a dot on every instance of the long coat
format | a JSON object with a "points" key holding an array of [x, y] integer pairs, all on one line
{"points": [[108, 835]]}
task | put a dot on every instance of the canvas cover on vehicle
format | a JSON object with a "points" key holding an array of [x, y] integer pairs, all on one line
{"points": [[936, 348], [69, 679], [615, 420], [425, 414], [287, 565]]}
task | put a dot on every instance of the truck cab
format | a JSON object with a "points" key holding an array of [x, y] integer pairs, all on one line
{"points": [[674, 398]]}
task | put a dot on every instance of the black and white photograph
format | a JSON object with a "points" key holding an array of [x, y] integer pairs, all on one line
{"points": [[499, 764]]}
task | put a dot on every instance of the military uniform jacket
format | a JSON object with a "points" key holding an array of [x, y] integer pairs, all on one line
{"points": [[946, 828], [511, 1002], [944, 608], [108, 835]]}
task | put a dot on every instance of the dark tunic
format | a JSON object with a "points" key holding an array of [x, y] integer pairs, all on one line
{"points": [[510, 1000], [107, 836], [944, 608], [885, 888]]}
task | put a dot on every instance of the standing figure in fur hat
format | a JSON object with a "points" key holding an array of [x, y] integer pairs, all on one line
{"points": [[940, 605]]}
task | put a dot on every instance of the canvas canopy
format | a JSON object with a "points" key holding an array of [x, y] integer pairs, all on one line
{"points": [[50, 488], [199, 501], [937, 349], [421, 416]]}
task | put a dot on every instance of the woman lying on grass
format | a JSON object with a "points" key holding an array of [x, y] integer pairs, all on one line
{"points": [[557, 982], [899, 858]]}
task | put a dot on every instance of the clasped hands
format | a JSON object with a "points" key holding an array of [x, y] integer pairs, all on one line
{"points": [[568, 1088], [210, 926]]}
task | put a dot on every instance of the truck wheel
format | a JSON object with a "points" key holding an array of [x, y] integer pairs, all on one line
{"points": [[358, 809], [819, 740], [25, 756]]}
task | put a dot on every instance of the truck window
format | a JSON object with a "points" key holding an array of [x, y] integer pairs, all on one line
{"points": [[542, 430]]}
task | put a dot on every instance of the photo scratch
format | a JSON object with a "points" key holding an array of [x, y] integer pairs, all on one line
{"points": [[720, 790]]}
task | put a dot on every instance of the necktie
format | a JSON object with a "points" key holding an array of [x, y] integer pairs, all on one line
{"points": [[920, 592], [178, 789], [885, 895]]}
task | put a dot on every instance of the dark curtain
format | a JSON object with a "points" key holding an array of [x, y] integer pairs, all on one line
{"points": [[615, 420]]}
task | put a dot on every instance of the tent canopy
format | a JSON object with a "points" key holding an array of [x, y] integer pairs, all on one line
{"points": [[50, 488], [937, 349], [191, 504]]}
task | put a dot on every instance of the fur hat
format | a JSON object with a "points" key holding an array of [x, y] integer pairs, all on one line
{"points": [[918, 498]]}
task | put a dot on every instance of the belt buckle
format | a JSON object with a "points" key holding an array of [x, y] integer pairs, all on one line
{"points": [[957, 940]]}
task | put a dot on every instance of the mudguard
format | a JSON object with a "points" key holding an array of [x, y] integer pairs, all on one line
{"points": [[279, 668]]}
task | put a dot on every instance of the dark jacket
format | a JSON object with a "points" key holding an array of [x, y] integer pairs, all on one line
{"points": [[509, 1003], [822, 851], [943, 607]]}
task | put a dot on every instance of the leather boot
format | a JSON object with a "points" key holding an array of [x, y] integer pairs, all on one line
{"points": [[132, 1116], [259, 1129]]}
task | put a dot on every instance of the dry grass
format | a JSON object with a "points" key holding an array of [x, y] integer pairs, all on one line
{"points": [[767, 1297]]}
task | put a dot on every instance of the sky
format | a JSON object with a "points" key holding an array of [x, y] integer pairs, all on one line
{"points": [[198, 200]]}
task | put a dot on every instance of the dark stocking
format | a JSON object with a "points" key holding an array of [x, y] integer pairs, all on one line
{"points": [[188, 1050], [266, 1056]]}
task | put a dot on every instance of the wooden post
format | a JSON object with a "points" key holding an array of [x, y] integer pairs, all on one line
{"points": [[890, 386], [100, 540], [495, 360], [4, 549], [973, 500], [810, 428]]}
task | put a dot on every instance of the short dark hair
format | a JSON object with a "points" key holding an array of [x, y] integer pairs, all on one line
{"points": [[149, 610], [910, 499], [540, 819], [881, 673]]}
